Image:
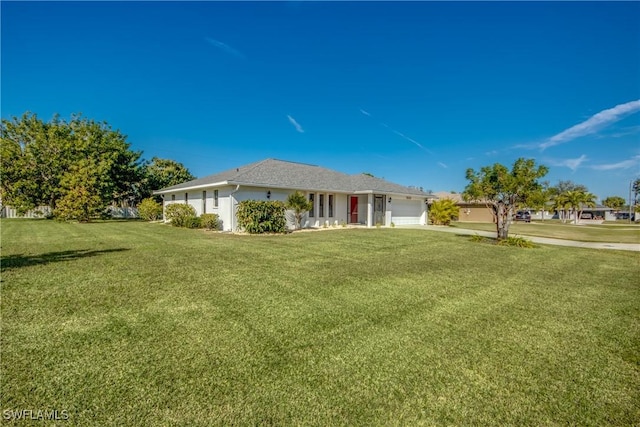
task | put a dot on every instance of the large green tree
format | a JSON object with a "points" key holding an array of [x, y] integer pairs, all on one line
{"points": [[162, 173], [614, 202], [504, 190], [539, 198], [43, 163]]}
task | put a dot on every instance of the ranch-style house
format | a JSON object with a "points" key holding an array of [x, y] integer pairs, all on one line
{"points": [[337, 198]]}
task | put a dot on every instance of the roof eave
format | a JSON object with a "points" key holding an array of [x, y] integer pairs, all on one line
{"points": [[191, 187]]}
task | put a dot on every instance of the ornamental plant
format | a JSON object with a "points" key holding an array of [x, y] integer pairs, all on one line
{"points": [[257, 216], [180, 214], [150, 210]]}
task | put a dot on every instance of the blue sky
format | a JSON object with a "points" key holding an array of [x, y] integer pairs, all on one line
{"points": [[414, 92]]}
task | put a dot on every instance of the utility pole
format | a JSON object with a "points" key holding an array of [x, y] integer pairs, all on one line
{"points": [[630, 205]]}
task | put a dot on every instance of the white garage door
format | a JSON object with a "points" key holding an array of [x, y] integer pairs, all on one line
{"points": [[406, 211]]}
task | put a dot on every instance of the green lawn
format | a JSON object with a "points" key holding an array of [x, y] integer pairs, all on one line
{"points": [[127, 323], [582, 233]]}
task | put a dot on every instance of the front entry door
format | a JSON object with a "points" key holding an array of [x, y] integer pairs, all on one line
{"points": [[353, 218], [378, 210]]}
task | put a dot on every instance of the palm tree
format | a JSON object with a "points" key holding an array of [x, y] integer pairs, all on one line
{"points": [[588, 201], [578, 200], [561, 205], [299, 204]]}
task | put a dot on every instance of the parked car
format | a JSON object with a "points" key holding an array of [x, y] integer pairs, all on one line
{"points": [[522, 216]]}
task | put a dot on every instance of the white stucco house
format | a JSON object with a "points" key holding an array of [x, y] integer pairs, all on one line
{"points": [[337, 197]]}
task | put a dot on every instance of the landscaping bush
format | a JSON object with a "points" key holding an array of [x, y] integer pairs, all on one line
{"points": [[210, 221], [256, 216], [192, 222], [178, 214], [150, 210], [299, 206], [443, 211], [519, 242]]}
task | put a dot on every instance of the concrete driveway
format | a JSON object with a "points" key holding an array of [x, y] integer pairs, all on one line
{"points": [[541, 240]]}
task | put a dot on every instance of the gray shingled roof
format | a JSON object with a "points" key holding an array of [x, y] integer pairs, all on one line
{"points": [[283, 174]]}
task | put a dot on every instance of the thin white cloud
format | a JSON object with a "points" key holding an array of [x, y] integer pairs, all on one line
{"points": [[442, 165], [593, 123], [295, 124], [572, 164], [625, 164], [225, 47], [400, 134]]}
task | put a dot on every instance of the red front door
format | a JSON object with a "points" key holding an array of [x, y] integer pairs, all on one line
{"points": [[354, 210]]}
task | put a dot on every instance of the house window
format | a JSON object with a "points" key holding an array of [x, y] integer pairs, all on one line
{"points": [[204, 201], [173, 197], [313, 205], [321, 207], [186, 197], [215, 198], [330, 205]]}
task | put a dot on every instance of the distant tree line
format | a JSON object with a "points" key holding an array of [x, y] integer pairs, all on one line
{"points": [[76, 167]]}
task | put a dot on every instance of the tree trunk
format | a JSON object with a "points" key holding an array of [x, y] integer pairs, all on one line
{"points": [[502, 221]]}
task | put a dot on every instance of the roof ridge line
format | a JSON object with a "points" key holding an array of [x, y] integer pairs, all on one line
{"points": [[251, 167]]}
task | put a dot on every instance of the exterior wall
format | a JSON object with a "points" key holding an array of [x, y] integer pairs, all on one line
{"points": [[340, 210], [539, 214], [195, 199], [474, 213], [229, 197]]}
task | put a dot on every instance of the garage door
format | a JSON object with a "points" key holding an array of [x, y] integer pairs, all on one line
{"points": [[406, 211]]}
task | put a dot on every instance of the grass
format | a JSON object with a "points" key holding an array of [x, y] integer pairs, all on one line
{"points": [[145, 324], [582, 233]]}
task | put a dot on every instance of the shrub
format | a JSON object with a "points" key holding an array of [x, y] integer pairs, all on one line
{"points": [[178, 213], [210, 221], [443, 211], [519, 242], [477, 238], [257, 216], [150, 210], [192, 222], [299, 204]]}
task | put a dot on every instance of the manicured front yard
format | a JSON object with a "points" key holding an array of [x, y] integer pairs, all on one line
{"points": [[127, 323], [617, 233]]}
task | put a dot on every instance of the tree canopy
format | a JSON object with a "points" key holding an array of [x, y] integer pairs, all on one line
{"points": [[162, 173], [43, 163], [614, 202], [76, 167], [504, 190], [569, 197]]}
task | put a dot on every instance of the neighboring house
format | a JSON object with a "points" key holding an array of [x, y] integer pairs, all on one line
{"points": [[337, 197], [477, 211], [468, 211], [590, 215]]}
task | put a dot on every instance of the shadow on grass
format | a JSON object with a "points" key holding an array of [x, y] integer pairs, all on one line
{"points": [[18, 261]]}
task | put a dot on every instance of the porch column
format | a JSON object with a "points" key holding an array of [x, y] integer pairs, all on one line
{"points": [[369, 210], [387, 211]]}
